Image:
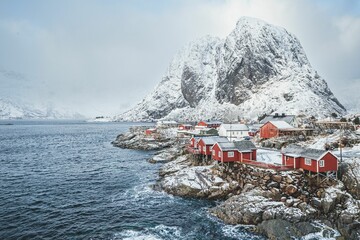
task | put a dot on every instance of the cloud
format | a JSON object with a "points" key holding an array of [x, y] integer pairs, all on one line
{"points": [[101, 57]]}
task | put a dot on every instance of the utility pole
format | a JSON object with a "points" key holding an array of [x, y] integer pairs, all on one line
{"points": [[340, 145]]}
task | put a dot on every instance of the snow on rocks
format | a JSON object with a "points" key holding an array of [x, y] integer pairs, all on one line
{"points": [[136, 139], [252, 208], [180, 178]]}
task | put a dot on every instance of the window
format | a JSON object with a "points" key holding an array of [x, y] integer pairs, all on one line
{"points": [[308, 161], [230, 154], [213, 151], [219, 154], [321, 163], [287, 158], [204, 149]]}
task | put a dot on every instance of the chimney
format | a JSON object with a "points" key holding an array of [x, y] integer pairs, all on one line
{"points": [[276, 115], [283, 114]]}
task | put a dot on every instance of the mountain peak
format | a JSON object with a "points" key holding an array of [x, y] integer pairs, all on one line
{"points": [[259, 68], [250, 21]]}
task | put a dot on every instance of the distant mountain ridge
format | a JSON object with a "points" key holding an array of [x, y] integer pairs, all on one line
{"points": [[259, 68], [11, 110]]}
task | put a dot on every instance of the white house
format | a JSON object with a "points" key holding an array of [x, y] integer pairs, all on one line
{"points": [[233, 130]]}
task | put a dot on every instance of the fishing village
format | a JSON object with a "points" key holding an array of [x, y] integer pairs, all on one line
{"points": [[282, 175]]}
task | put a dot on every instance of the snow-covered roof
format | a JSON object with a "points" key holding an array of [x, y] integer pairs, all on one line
{"points": [[241, 146], [280, 117], [213, 140], [234, 127], [281, 124], [212, 122], [297, 151]]}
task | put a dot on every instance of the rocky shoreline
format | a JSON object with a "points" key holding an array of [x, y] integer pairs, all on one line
{"points": [[281, 204]]}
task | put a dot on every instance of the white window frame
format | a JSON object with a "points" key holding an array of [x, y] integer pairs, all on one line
{"points": [[214, 153], [204, 149], [308, 161], [321, 163], [230, 154], [219, 154]]}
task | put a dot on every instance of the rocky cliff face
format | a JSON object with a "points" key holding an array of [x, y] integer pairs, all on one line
{"points": [[259, 68]]}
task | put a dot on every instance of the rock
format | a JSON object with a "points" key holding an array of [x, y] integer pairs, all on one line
{"points": [[282, 229], [194, 181], [136, 139], [273, 185], [289, 179], [316, 202], [276, 195], [266, 177], [276, 178], [350, 179], [248, 187], [289, 202], [291, 190]]}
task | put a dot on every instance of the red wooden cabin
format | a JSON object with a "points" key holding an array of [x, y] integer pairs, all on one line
{"points": [[273, 129], [241, 151], [205, 144], [194, 142], [313, 160], [209, 124], [150, 131], [185, 127]]}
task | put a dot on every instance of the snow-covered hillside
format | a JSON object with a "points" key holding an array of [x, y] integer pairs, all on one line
{"points": [[11, 110], [259, 68]]}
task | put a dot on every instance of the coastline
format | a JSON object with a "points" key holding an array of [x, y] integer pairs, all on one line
{"points": [[272, 201]]}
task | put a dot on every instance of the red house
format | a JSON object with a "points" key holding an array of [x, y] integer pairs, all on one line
{"points": [[313, 160], [209, 124], [194, 142], [205, 144], [242, 151], [274, 129], [150, 131], [185, 127]]}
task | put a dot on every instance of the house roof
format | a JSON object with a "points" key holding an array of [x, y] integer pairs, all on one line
{"points": [[212, 122], [297, 151], [280, 117], [241, 146], [213, 140], [281, 124], [234, 127]]}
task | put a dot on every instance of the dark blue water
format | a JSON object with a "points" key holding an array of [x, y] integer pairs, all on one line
{"points": [[64, 180]]}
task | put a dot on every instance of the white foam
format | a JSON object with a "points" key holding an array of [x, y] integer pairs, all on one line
{"points": [[326, 232], [158, 232], [238, 232], [135, 235]]}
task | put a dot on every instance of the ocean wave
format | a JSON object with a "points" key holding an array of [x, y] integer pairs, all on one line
{"points": [[325, 233], [156, 233]]}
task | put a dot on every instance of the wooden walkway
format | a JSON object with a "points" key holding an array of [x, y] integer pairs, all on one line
{"points": [[268, 165]]}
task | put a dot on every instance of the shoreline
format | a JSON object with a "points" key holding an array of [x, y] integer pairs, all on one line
{"points": [[250, 195]]}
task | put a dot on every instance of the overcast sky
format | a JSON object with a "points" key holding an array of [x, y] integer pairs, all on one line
{"points": [[102, 57]]}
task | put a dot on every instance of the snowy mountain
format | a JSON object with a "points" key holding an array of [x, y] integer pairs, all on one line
{"points": [[17, 103], [259, 68], [11, 110], [348, 94]]}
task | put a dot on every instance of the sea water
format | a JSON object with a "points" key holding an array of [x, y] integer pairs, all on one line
{"points": [[64, 180]]}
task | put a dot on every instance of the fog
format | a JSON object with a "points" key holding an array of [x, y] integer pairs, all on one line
{"points": [[102, 57]]}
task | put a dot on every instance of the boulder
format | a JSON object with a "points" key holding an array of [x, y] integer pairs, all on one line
{"points": [[276, 178], [291, 190]]}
